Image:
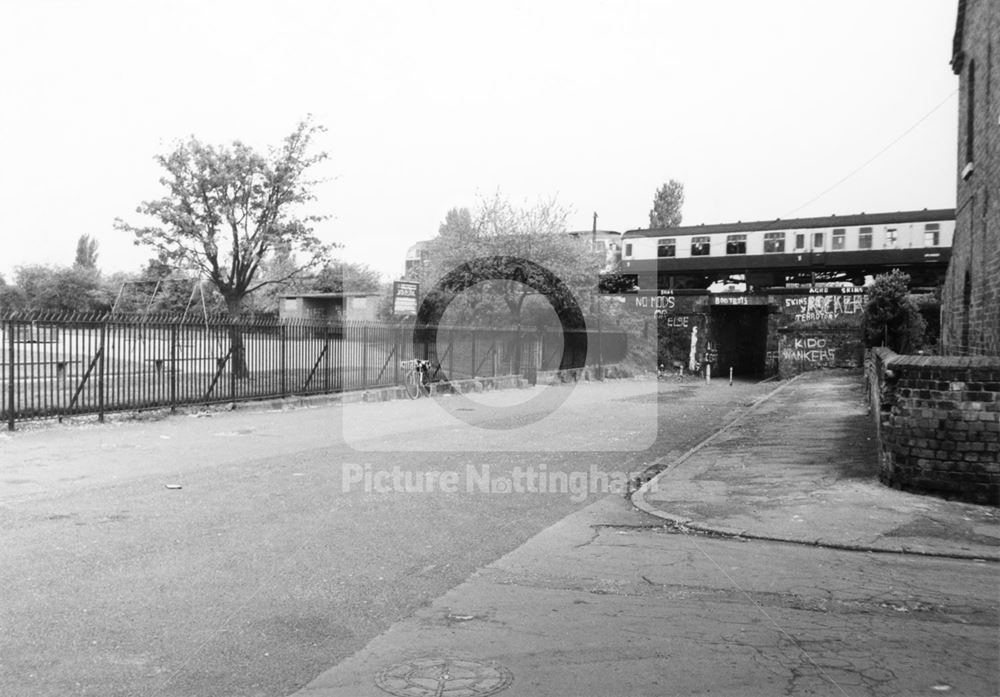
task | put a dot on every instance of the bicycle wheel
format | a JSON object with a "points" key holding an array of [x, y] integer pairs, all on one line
{"points": [[412, 384], [423, 383]]}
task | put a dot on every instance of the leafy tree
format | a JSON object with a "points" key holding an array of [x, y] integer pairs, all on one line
{"points": [[72, 289], [667, 204], [891, 317], [457, 226], [11, 297], [227, 207], [343, 276], [86, 253]]}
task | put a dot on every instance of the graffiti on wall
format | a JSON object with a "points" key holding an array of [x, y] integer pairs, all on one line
{"points": [[771, 361], [824, 307], [656, 302], [812, 349], [681, 339]]}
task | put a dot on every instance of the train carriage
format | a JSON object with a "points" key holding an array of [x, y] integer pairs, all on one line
{"points": [[801, 250]]}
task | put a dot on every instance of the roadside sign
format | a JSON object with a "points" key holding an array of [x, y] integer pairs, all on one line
{"points": [[404, 297]]}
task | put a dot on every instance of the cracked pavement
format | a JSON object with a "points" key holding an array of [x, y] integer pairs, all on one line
{"points": [[610, 602]]}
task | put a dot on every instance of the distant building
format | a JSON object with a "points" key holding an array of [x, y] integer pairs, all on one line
{"points": [[329, 306], [608, 242], [970, 311], [416, 256]]}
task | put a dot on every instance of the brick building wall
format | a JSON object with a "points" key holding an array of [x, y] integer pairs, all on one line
{"points": [[970, 313], [938, 423]]}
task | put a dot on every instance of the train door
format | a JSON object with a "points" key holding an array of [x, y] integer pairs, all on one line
{"points": [[817, 244], [739, 335]]}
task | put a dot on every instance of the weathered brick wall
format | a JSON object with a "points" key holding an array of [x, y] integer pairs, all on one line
{"points": [[970, 315], [810, 348], [815, 330], [938, 423]]}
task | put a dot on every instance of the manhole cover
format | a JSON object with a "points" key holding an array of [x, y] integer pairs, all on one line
{"points": [[444, 677]]}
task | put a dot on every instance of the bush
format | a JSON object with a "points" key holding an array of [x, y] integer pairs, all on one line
{"points": [[891, 317]]}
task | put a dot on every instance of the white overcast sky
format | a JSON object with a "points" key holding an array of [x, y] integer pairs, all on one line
{"points": [[757, 107]]}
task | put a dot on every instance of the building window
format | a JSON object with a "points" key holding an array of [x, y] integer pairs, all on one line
{"points": [[736, 244], [666, 247], [774, 242], [932, 233], [865, 238], [970, 110], [817, 240], [838, 242], [701, 246], [800, 240]]}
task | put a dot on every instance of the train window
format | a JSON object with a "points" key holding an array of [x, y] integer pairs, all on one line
{"points": [[890, 237], [736, 244], [817, 240], [701, 246], [800, 240], [865, 238], [839, 240], [774, 242], [628, 249], [931, 234], [666, 247]]}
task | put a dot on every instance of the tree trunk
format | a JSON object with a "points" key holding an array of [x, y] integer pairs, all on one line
{"points": [[238, 352]]}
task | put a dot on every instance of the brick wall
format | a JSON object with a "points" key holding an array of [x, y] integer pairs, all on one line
{"points": [[938, 423], [970, 315], [803, 348]]}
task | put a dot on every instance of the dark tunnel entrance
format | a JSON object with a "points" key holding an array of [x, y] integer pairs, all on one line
{"points": [[740, 338]]}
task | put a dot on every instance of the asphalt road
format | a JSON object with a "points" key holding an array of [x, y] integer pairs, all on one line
{"points": [[261, 570]]}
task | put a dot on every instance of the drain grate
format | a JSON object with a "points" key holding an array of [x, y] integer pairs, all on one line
{"points": [[444, 677]]}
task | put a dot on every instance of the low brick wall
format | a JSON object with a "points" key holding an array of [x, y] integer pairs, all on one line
{"points": [[938, 423]]}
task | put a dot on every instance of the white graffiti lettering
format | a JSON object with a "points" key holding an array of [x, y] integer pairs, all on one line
{"points": [[818, 307], [659, 302]]}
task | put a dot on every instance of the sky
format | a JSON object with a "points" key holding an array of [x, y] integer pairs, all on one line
{"points": [[768, 109]]}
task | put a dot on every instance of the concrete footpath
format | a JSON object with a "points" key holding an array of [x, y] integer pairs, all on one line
{"points": [[677, 599], [800, 467]]}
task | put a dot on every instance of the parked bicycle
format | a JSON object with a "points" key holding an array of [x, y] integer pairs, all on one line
{"points": [[416, 381]]}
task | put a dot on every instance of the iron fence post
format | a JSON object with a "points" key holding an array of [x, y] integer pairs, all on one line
{"points": [[11, 373], [282, 339], [364, 357], [100, 371], [327, 328], [236, 332], [398, 354], [172, 367]]}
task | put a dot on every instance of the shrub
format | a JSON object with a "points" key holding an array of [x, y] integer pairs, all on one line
{"points": [[891, 317]]}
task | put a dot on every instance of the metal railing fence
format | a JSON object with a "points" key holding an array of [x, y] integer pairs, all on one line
{"points": [[59, 364]]}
